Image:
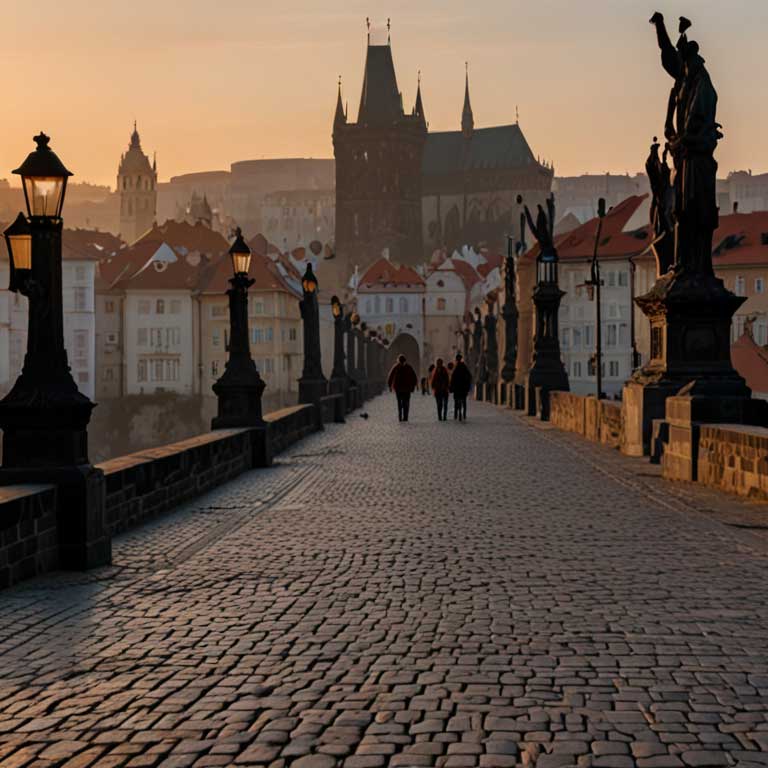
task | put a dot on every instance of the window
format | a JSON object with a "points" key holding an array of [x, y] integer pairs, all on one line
{"points": [[144, 307], [214, 368], [258, 308], [81, 299], [292, 334], [759, 285], [376, 305], [218, 310], [612, 335], [175, 307], [257, 335], [160, 307], [623, 279], [623, 334], [112, 338], [216, 338], [142, 372], [141, 339], [611, 282], [441, 305], [389, 306], [80, 274], [172, 337], [613, 309], [367, 306], [577, 369], [403, 305], [565, 338], [738, 288], [589, 336], [577, 338], [109, 307], [613, 368], [268, 334], [268, 365], [109, 374]]}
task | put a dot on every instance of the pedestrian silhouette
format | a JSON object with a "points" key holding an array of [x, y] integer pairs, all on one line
{"points": [[441, 383], [402, 380], [461, 386]]}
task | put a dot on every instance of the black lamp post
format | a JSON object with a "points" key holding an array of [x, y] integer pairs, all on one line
{"points": [[240, 387], [339, 378], [362, 360], [45, 417], [510, 315], [312, 384], [594, 284], [491, 354]]}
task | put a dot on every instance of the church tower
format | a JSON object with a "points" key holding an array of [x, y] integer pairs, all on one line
{"points": [[137, 186], [378, 172]]}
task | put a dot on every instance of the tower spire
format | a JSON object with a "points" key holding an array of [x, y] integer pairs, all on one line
{"points": [[467, 119], [418, 108], [339, 118], [135, 140]]}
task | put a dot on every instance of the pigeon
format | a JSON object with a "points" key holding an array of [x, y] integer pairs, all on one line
{"points": [[363, 415]]}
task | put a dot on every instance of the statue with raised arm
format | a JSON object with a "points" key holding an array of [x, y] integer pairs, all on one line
{"points": [[662, 208], [692, 133], [543, 228]]}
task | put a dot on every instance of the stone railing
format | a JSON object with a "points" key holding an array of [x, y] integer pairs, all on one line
{"points": [[734, 458], [597, 420], [142, 485]]}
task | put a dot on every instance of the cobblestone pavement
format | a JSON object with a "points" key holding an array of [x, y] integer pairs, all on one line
{"points": [[428, 594]]}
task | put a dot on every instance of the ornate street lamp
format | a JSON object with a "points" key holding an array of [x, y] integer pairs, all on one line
{"points": [[240, 387], [312, 384], [339, 378], [491, 354], [45, 417], [594, 284]]}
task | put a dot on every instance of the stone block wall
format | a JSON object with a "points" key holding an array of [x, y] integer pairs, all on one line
{"points": [[734, 458], [597, 420], [28, 532]]}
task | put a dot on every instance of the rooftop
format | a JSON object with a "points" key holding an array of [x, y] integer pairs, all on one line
{"points": [[385, 275]]}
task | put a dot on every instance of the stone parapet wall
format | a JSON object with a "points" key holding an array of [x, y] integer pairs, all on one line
{"points": [[29, 542], [734, 458], [597, 420]]}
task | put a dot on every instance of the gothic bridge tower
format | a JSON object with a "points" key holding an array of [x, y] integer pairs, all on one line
{"points": [[137, 187]]}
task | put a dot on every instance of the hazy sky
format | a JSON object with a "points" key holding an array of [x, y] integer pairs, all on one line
{"points": [[215, 81]]}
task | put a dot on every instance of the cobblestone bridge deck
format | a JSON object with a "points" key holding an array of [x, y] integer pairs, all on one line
{"points": [[428, 594]]}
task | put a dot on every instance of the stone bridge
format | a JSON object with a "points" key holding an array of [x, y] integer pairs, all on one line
{"points": [[496, 593]]}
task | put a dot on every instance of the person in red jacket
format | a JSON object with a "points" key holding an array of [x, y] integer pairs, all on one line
{"points": [[441, 385], [402, 380]]}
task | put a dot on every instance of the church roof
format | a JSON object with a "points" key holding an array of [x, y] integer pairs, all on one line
{"points": [[134, 160], [380, 98], [502, 146]]}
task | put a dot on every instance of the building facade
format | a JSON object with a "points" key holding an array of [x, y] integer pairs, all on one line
{"points": [[137, 187]]}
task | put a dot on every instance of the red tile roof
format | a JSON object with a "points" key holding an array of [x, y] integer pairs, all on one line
{"points": [[751, 361], [193, 237], [739, 240], [89, 245], [468, 274], [579, 243], [385, 275], [263, 271]]}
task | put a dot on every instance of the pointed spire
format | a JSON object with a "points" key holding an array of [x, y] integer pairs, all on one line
{"points": [[135, 140], [339, 118], [467, 119], [418, 108], [154, 162]]}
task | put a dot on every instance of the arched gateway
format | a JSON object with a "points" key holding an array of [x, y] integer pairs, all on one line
{"points": [[405, 344]]}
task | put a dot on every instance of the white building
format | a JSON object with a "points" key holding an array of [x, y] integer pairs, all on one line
{"points": [[391, 297]]}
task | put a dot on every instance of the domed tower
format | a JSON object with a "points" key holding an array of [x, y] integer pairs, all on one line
{"points": [[137, 185]]}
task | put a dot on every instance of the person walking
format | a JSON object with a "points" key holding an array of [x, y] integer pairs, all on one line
{"points": [[402, 380], [461, 386], [441, 383]]}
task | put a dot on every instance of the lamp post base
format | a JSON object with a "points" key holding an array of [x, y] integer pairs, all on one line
{"points": [[312, 390]]}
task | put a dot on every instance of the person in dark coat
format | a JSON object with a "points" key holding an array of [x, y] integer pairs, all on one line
{"points": [[402, 380], [461, 386], [441, 384]]}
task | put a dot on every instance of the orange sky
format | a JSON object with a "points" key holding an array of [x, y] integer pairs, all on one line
{"points": [[215, 82]]}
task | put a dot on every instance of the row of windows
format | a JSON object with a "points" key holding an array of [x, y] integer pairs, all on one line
{"points": [[373, 306], [740, 285], [258, 335], [611, 279], [158, 337], [614, 334], [266, 365], [158, 369], [146, 306], [577, 369]]}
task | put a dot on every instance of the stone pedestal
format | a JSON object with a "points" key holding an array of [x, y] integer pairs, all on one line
{"points": [[690, 317]]}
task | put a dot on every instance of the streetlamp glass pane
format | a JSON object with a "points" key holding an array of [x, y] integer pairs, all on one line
{"points": [[241, 263], [21, 251], [44, 194]]}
